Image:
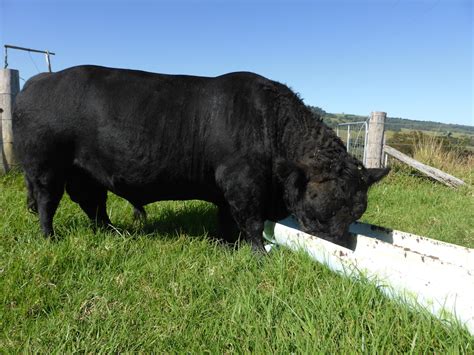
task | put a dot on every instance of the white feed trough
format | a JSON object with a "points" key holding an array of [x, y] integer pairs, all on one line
{"points": [[423, 272]]}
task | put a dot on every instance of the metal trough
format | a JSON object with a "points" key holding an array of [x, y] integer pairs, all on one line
{"points": [[417, 270]]}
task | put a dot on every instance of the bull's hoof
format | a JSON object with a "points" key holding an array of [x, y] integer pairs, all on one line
{"points": [[49, 234], [258, 248], [32, 207], [33, 211], [139, 214]]}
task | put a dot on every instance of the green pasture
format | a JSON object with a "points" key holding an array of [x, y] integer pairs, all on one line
{"points": [[167, 286]]}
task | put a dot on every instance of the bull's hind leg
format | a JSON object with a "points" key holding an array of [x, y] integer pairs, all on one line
{"points": [[91, 197], [48, 189], [139, 213]]}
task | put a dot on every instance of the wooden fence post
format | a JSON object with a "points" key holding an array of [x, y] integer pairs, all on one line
{"points": [[9, 87], [2, 158], [375, 140]]}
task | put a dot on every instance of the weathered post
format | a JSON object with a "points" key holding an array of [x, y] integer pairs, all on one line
{"points": [[375, 140], [9, 87], [2, 163]]}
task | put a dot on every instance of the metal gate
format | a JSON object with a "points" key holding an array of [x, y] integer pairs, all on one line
{"points": [[354, 135]]}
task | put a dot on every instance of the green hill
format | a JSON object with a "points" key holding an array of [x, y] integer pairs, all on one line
{"points": [[397, 124]]}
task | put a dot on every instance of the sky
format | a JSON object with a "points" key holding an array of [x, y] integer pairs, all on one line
{"points": [[411, 59]]}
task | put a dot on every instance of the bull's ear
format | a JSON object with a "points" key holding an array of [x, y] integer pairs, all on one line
{"points": [[374, 175], [292, 177]]}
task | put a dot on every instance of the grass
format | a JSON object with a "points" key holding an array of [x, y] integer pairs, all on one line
{"points": [[412, 203], [166, 286], [430, 150]]}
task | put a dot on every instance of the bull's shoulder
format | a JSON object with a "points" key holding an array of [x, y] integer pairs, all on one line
{"points": [[243, 76], [258, 81], [251, 82]]}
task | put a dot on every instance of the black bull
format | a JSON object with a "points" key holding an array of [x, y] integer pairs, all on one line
{"points": [[241, 141]]}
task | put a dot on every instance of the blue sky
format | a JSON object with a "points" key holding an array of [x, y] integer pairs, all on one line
{"points": [[412, 59]]}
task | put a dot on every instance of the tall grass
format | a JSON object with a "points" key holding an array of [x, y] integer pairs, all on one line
{"points": [[434, 151]]}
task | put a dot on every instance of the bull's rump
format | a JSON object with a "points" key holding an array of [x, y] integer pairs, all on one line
{"points": [[144, 136]]}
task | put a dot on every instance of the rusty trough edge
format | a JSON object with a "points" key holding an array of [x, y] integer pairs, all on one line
{"points": [[418, 271]]}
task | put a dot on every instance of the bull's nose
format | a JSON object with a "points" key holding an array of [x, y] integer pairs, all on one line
{"points": [[346, 240], [336, 235], [324, 235]]}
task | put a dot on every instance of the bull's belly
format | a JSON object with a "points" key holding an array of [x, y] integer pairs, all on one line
{"points": [[164, 190], [137, 185]]}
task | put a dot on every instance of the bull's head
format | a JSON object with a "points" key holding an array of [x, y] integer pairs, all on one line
{"points": [[327, 196]]}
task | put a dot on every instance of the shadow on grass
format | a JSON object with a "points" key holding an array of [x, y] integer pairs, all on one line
{"points": [[194, 222], [165, 221]]}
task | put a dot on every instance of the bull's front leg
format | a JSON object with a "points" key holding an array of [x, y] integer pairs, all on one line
{"points": [[227, 228], [253, 230], [244, 193]]}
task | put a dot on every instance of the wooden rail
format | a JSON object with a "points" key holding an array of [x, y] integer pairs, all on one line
{"points": [[434, 173]]}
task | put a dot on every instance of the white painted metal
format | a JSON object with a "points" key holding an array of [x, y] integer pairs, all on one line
{"points": [[433, 249], [419, 271]]}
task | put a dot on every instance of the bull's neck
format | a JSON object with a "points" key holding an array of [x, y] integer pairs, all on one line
{"points": [[305, 135]]}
